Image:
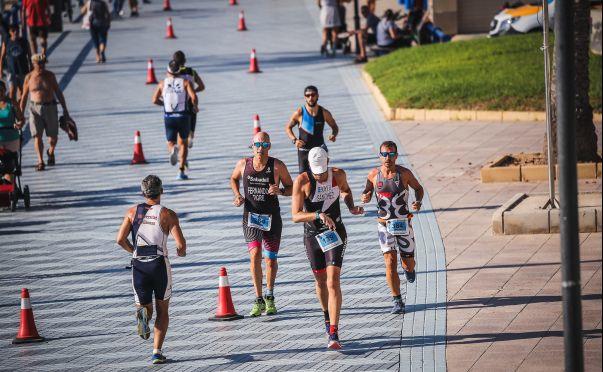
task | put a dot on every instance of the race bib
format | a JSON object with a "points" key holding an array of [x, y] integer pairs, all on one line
{"points": [[397, 226], [328, 240], [259, 221]]}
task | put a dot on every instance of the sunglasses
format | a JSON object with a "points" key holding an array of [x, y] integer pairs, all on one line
{"points": [[309, 95], [262, 144], [386, 154]]}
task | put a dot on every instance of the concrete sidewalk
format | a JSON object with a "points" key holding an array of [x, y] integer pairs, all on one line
{"points": [[504, 299]]}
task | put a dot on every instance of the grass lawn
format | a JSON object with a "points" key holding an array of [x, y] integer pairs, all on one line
{"points": [[505, 73]]}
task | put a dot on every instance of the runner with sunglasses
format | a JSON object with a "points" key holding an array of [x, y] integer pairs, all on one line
{"points": [[390, 183], [316, 203], [262, 224], [311, 118]]}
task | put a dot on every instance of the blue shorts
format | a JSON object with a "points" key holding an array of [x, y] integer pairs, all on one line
{"points": [[177, 126], [150, 277]]}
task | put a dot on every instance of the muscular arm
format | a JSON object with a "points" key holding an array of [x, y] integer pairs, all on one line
{"points": [[59, 94], [369, 188], [344, 188], [191, 93], [293, 121], [285, 178], [331, 122], [414, 183], [235, 177], [176, 232], [24, 93], [124, 230], [200, 86], [157, 99]]}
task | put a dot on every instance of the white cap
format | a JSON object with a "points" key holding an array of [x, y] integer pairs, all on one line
{"points": [[318, 160]]}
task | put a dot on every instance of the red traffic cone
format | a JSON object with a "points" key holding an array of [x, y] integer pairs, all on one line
{"points": [[167, 6], [138, 157], [253, 63], [169, 29], [27, 329], [226, 310], [257, 128], [151, 79], [241, 26], [232, 2]]}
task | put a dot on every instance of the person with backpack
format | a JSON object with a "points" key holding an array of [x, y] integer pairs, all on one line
{"points": [[100, 22]]}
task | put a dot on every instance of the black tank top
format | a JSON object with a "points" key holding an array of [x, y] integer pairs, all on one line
{"points": [[311, 128], [392, 197], [256, 185], [324, 197]]}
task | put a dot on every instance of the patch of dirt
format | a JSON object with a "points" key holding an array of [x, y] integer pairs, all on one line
{"points": [[535, 158]]}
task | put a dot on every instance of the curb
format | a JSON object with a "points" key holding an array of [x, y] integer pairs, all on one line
{"points": [[454, 115]]}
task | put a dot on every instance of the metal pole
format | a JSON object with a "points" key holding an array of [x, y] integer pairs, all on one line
{"points": [[568, 188], [547, 89], [356, 26]]}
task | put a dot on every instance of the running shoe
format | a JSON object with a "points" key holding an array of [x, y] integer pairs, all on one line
{"points": [[142, 320], [334, 343], [410, 276], [328, 328], [174, 155], [270, 307], [259, 306], [182, 176], [398, 307], [158, 359]]}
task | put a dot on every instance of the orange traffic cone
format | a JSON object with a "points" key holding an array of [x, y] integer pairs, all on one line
{"points": [[242, 26], [253, 63], [233, 2], [257, 128], [167, 6], [27, 329], [151, 79], [226, 310], [169, 29], [138, 157]]}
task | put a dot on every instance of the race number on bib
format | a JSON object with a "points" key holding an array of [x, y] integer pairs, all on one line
{"points": [[397, 226], [259, 221], [328, 240]]}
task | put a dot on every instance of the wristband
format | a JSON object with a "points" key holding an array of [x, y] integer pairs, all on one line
{"points": [[294, 140]]}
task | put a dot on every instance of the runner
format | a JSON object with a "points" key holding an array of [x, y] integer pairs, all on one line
{"points": [[390, 183], [173, 93], [316, 202], [191, 75], [262, 224], [150, 224], [311, 118]]}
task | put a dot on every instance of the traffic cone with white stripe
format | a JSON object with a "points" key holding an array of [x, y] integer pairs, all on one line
{"points": [[138, 157], [169, 29], [27, 329], [253, 63], [226, 310], [151, 79], [256, 124], [241, 26]]}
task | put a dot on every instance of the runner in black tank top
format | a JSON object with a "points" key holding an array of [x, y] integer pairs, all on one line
{"points": [[262, 224]]}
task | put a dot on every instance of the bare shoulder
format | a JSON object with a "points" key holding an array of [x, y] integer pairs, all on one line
{"points": [[403, 170], [302, 179], [372, 174], [279, 164], [131, 212], [338, 173]]}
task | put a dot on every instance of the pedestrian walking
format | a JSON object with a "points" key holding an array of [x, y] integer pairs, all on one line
{"points": [[330, 21], [15, 51], [37, 16], [150, 223], [191, 75], [11, 120], [100, 22], [262, 177]]}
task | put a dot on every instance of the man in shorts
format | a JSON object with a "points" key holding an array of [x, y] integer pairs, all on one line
{"points": [[41, 87], [262, 225], [191, 75], [316, 203], [173, 93], [390, 184], [37, 16], [15, 51], [150, 224]]}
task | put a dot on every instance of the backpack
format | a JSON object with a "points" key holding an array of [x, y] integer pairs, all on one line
{"points": [[99, 13]]}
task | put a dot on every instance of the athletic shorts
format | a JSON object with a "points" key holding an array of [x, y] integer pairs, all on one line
{"points": [[177, 126], [319, 260], [43, 118], [193, 121], [150, 277], [403, 244], [270, 241], [38, 31]]}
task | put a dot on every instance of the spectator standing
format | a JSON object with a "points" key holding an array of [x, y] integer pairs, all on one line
{"points": [[368, 32], [16, 53], [100, 22], [36, 14], [330, 21]]}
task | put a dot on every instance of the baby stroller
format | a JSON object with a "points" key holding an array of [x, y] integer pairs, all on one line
{"points": [[11, 193]]}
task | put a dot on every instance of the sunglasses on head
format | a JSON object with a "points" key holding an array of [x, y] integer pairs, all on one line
{"points": [[261, 144], [386, 154]]}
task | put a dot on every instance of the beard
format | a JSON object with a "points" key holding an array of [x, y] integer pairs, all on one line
{"points": [[312, 104]]}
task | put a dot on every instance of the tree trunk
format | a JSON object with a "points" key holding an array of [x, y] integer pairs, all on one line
{"points": [[586, 137]]}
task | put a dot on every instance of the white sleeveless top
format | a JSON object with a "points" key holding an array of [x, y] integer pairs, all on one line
{"points": [[174, 95], [326, 192], [150, 232]]}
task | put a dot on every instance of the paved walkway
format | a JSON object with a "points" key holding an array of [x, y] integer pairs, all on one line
{"points": [[63, 249], [504, 302]]}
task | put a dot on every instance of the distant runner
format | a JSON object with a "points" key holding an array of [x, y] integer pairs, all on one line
{"points": [[311, 118], [262, 224], [390, 183], [191, 75], [316, 203], [150, 224]]}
